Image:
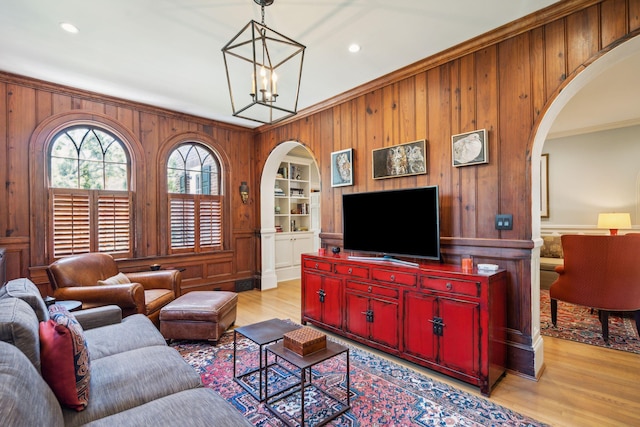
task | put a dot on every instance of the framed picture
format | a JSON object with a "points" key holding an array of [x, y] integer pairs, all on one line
{"points": [[544, 186], [342, 168], [470, 148], [400, 160]]}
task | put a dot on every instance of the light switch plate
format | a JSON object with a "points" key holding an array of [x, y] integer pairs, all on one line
{"points": [[504, 222]]}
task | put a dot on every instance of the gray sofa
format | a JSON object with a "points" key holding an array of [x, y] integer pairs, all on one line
{"points": [[136, 379]]}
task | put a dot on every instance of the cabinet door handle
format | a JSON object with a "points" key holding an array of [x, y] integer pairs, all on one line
{"points": [[393, 277], [438, 326], [316, 265], [449, 286], [350, 270], [369, 314], [370, 289]]}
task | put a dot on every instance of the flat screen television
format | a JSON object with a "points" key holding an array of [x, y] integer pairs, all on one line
{"points": [[393, 222]]}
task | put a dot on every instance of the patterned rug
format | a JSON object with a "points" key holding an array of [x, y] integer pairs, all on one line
{"points": [[577, 323], [382, 393]]}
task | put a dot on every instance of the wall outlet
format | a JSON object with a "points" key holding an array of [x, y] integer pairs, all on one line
{"points": [[504, 222]]}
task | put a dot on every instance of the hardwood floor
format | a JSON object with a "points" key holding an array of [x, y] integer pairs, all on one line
{"points": [[582, 385]]}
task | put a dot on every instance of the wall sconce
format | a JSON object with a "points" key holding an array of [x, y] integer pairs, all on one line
{"points": [[244, 192], [614, 221]]}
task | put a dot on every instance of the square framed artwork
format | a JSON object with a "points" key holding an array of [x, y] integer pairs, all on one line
{"points": [[400, 160], [470, 148], [342, 168]]}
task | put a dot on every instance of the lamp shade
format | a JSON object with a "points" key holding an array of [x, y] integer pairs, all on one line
{"points": [[614, 221]]}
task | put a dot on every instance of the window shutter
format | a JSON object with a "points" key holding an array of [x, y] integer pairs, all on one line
{"points": [[71, 223], [211, 222], [114, 223], [182, 221]]}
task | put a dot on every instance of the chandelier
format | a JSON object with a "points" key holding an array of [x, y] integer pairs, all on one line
{"points": [[264, 69]]}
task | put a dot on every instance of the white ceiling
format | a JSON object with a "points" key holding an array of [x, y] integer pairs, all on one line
{"points": [[167, 53]]}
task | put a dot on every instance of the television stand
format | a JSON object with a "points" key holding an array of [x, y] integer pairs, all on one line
{"points": [[385, 258], [437, 316]]}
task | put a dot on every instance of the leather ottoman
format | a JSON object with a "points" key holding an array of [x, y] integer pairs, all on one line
{"points": [[199, 315]]}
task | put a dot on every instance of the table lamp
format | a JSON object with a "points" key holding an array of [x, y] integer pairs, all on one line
{"points": [[614, 221]]}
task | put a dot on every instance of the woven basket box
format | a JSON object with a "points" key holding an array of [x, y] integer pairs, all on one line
{"points": [[305, 341]]}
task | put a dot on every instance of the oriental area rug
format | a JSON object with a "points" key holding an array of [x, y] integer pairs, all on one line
{"points": [[578, 323], [382, 393]]}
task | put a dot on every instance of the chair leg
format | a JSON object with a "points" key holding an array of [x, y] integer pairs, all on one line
{"points": [[554, 312], [604, 319]]}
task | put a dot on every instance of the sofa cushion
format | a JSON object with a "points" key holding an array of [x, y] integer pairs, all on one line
{"points": [[19, 326], [132, 378], [134, 332], [25, 398], [65, 358], [551, 247], [27, 291], [118, 279], [211, 410]]}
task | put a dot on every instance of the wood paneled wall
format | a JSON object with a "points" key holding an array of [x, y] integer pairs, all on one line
{"points": [[30, 110], [502, 82]]}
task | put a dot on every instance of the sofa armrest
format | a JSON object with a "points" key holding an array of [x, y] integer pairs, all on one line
{"points": [[99, 316], [559, 269], [126, 295], [160, 279]]}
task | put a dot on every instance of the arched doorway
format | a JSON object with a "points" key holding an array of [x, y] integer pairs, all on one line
{"points": [[267, 207], [573, 86]]}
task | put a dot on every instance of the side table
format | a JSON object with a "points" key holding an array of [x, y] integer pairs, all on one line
{"points": [[262, 333], [293, 396], [69, 304]]}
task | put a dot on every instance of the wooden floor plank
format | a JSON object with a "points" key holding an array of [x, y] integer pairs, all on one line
{"points": [[582, 385]]}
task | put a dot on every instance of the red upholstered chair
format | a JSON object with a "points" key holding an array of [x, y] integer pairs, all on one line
{"points": [[94, 279], [601, 272]]}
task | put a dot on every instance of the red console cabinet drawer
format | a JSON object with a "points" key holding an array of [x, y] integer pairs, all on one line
{"points": [[315, 264], [455, 286], [372, 289], [395, 277], [350, 270]]}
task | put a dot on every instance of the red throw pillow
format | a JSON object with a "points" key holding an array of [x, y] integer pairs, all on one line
{"points": [[65, 358]]}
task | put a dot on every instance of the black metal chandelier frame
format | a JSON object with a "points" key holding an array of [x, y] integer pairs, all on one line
{"points": [[255, 45]]}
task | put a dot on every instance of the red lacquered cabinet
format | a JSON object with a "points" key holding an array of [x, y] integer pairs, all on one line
{"points": [[322, 298], [433, 315]]}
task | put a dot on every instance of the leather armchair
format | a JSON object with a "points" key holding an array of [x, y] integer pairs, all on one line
{"points": [[601, 272], [76, 277]]}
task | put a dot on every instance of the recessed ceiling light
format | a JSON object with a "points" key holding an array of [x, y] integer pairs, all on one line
{"points": [[354, 48], [69, 28]]}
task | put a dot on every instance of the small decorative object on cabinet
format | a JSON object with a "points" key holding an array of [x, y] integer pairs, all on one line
{"points": [[435, 315]]}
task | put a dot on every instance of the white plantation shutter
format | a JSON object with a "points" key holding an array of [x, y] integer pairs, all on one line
{"points": [[89, 220], [114, 222], [71, 223]]}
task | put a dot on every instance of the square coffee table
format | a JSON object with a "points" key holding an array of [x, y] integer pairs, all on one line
{"points": [[261, 333], [289, 396]]}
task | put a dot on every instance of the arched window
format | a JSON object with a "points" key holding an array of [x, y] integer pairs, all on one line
{"points": [[195, 199], [90, 200]]}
